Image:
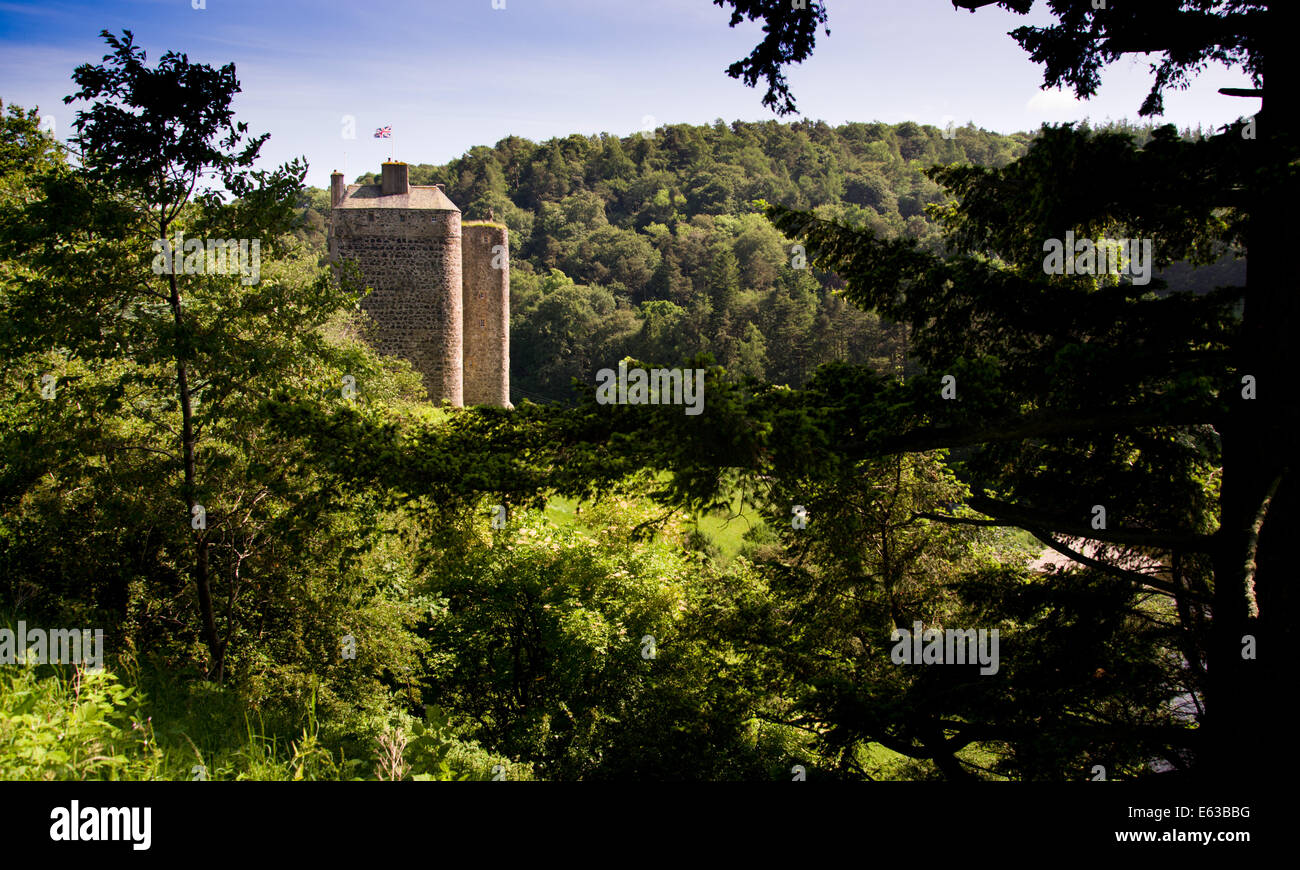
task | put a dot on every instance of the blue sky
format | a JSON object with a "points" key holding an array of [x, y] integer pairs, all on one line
{"points": [[451, 74]]}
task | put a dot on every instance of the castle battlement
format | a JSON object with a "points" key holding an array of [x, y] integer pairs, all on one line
{"points": [[441, 290]]}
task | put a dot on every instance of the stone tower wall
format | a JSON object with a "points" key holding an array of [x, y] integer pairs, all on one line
{"points": [[412, 259], [485, 257]]}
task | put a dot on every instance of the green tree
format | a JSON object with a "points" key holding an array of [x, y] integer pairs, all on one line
{"points": [[158, 371], [152, 135], [1245, 173], [751, 354], [723, 281], [668, 282], [788, 319]]}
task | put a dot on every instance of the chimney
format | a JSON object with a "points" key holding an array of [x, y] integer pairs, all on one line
{"points": [[337, 188], [394, 179]]}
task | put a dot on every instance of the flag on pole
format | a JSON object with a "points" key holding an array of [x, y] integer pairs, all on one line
{"points": [[384, 132]]}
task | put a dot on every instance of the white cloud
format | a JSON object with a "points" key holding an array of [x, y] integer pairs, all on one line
{"points": [[1053, 102]]}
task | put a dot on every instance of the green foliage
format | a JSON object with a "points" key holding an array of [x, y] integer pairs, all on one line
{"points": [[78, 728], [347, 612], [1070, 392], [133, 397], [670, 217], [88, 726], [647, 218], [542, 640]]}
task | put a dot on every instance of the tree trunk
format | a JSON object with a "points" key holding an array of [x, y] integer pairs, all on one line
{"points": [[202, 584], [1251, 567]]}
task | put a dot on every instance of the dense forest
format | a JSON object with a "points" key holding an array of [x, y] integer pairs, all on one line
{"points": [[304, 569], [654, 246]]}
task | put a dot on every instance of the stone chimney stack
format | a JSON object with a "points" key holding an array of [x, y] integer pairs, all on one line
{"points": [[337, 188], [394, 179]]}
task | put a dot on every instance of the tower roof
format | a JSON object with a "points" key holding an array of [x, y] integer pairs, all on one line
{"points": [[419, 196]]}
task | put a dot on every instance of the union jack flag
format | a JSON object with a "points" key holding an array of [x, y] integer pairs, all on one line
{"points": [[384, 132]]}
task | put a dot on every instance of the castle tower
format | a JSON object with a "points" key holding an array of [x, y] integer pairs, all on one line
{"points": [[485, 260], [407, 242]]}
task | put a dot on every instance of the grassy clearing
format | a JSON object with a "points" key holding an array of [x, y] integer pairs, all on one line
{"points": [[726, 529], [722, 529]]}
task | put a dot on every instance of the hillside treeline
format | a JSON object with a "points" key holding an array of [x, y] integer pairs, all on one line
{"points": [[651, 245]]}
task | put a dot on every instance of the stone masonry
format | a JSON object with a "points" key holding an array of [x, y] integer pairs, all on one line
{"points": [[408, 244], [485, 260]]}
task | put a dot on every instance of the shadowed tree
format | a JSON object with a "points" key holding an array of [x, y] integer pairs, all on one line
{"points": [[1239, 189], [156, 134], [160, 155]]}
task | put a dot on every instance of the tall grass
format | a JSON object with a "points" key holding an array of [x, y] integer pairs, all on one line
{"points": [[69, 724]]}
